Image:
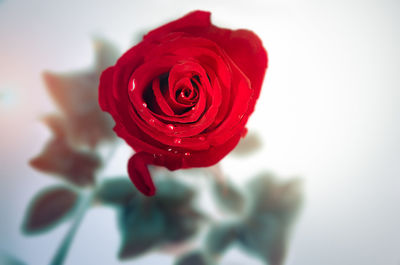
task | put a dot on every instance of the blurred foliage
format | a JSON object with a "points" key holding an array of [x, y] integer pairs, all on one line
{"points": [[48, 208], [194, 258], [228, 197], [141, 228], [146, 222], [80, 123], [7, 259], [78, 129], [76, 94], [116, 191], [249, 144], [170, 218], [59, 158], [270, 196], [219, 238], [264, 230]]}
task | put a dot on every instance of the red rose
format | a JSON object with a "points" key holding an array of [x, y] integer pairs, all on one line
{"points": [[181, 97]]}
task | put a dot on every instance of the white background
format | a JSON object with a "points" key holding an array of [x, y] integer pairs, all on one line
{"points": [[328, 113]]}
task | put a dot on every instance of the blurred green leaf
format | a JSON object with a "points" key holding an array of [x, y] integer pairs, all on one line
{"points": [[116, 191], [6, 259], [141, 229], [77, 167], [228, 197], [175, 200], [48, 208], [266, 238], [147, 222], [194, 258], [57, 125], [182, 223], [247, 145], [219, 238], [265, 231], [283, 199], [173, 193], [76, 94]]}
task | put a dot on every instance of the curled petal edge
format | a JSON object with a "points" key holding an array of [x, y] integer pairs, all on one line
{"points": [[139, 173]]}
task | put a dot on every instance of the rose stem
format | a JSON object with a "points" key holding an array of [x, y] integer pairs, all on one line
{"points": [[62, 251], [86, 202]]}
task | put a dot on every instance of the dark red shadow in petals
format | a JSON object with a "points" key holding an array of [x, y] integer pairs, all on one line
{"points": [[159, 98], [139, 173]]}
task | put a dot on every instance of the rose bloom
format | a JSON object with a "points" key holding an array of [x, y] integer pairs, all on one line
{"points": [[181, 97]]}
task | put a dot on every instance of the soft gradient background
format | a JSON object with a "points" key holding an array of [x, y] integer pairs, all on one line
{"points": [[328, 112]]}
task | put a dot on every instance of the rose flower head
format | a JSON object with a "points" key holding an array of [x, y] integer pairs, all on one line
{"points": [[181, 98]]}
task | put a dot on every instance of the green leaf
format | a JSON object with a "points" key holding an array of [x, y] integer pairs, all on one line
{"points": [[49, 208], [173, 193], [116, 191], [9, 259], [182, 223], [265, 238], [145, 222], [59, 158], [271, 196], [265, 231], [228, 197], [76, 94], [219, 238], [141, 228], [194, 258], [175, 201]]}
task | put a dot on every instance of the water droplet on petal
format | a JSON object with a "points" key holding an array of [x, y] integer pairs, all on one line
{"points": [[176, 151], [144, 104], [152, 121], [171, 127], [133, 85], [187, 154], [202, 138], [158, 157], [177, 140], [169, 149]]}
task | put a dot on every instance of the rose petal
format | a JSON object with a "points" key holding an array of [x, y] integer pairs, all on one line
{"points": [[243, 46], [159, 98], [139, 173], [251, 58], [214, 78], [191, 20]]}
